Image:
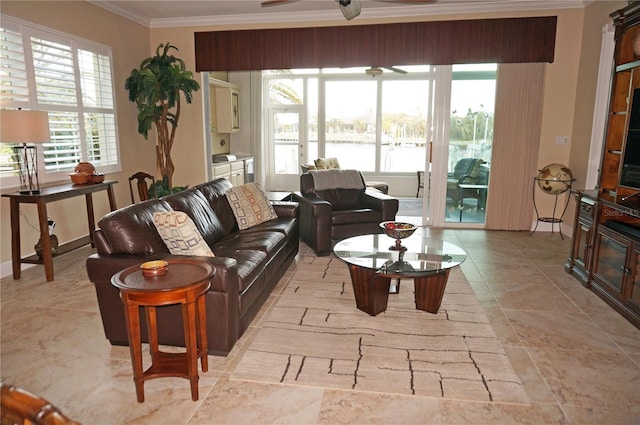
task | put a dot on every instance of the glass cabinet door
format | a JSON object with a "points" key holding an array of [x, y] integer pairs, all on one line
{"points": [[634, 295], [610, 265]]}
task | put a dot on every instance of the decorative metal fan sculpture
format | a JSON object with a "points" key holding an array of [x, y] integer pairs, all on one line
{"points": [[350, 8]]}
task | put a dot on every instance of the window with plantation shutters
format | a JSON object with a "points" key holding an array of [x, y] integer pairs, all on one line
{"points": [[71, 79]]}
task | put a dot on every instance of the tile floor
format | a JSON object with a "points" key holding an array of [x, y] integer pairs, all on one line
{"points": [[578, 359]]}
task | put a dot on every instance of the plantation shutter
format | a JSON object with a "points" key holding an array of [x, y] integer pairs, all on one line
{"points": [[72, 80], [56, 86], [99, 117], [13, 87]]}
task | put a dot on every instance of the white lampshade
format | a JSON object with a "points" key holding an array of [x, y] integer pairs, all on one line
{"points": [[19, 126]]}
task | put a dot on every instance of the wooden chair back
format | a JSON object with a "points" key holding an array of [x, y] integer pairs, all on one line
{"points": [[21, 407], [142, 186]]}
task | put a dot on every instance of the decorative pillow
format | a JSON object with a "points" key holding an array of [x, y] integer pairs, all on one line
{"points": [[180, 234], [250, 205], [326, 163]]}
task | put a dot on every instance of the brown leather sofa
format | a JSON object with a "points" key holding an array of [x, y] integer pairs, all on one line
{"points": [[248, 263], [333, 214]]}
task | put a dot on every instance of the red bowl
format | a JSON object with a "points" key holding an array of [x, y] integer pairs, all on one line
{"points": [[398, 229]]}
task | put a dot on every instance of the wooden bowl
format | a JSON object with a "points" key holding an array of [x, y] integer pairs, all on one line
{"points": [[85, 167], [154, 268], [97, 178], [80, 178]]}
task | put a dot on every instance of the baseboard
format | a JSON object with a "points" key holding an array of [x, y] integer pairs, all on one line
{"points": [[6, 268], [545, 227]]}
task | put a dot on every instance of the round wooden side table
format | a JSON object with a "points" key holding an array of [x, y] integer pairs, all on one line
{"points": [[185, 283]]}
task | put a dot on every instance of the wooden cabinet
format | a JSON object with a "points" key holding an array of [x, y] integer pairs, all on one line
{"points": [[237, 173], [620, 167], [605, 252], [615, 274], [579, 261], [606, 236], [232, 171], [610, 265], [222, 171], [227, 112]]}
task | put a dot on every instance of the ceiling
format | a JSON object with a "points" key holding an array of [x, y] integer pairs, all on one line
{"points": [[177, 13]]}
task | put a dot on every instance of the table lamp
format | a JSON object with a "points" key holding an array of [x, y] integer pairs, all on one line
{"points": [[19, 126]]}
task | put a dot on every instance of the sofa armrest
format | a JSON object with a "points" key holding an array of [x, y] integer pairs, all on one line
{"points": [[101, 268], [286, 209], [222, 300], [315, 222], [376, 200]]}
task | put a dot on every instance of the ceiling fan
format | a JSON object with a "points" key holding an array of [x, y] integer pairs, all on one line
{"points": [[350, 8], [374, 71]]}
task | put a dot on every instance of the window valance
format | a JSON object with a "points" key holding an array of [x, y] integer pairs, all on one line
{"points": [[505, 40]]}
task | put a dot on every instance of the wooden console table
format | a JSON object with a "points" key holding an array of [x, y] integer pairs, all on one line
{"points": [[46, 195]]}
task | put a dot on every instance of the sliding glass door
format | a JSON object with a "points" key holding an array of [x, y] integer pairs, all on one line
{"points": [[470, 143], [389, 126], [285, 132]]}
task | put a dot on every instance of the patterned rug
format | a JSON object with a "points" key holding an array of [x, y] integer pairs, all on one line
{"points": [[315, 336]]}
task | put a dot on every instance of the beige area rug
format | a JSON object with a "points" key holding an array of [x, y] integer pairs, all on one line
{"points": [[315, 336]]}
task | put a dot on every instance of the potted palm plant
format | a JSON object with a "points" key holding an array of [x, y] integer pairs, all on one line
{"points": [[156, 88]]}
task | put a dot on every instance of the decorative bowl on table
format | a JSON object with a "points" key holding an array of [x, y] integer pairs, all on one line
{"points": [[85, 168], [80, 178], [398, 231], [154, 268], [97, 178]]}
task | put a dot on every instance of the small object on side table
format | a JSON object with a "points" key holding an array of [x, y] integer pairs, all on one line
{"points": [[154, 268]]}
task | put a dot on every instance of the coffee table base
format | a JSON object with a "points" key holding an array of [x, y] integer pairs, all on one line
{"points": [[371, 289]]}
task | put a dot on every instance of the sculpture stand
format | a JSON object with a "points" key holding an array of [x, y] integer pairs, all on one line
{"points": [[398, 246], [553, 219]]}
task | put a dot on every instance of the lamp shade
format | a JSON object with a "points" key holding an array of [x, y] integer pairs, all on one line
{"points": [[19, 126]]}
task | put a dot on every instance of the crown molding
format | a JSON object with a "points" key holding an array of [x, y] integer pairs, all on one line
{"points": [[333, 15], [112, 6]]}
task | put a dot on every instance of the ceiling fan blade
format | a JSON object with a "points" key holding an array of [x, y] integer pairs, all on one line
{"points": [[398, 70], [275, 2]]}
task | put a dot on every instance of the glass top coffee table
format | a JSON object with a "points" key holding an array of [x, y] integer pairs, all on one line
{"points": [[372, 265]]}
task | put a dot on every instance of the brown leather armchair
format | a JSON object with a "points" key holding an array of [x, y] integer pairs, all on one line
{"points": [[330, 214]]}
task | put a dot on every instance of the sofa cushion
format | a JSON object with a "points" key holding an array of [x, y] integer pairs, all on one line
{"points": [[341, 199], [179, 234], [327, 163], [251, 263], [130, 230], [250, 205], [283, 225], [266, 241], [214, 193], [194, 204], [362, 215]]}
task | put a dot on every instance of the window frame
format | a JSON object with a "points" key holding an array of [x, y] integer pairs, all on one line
{"points": [[329, 75], [109, 140]]}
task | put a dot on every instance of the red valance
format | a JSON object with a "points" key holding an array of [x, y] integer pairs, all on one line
{"points": [[506, 40]]}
